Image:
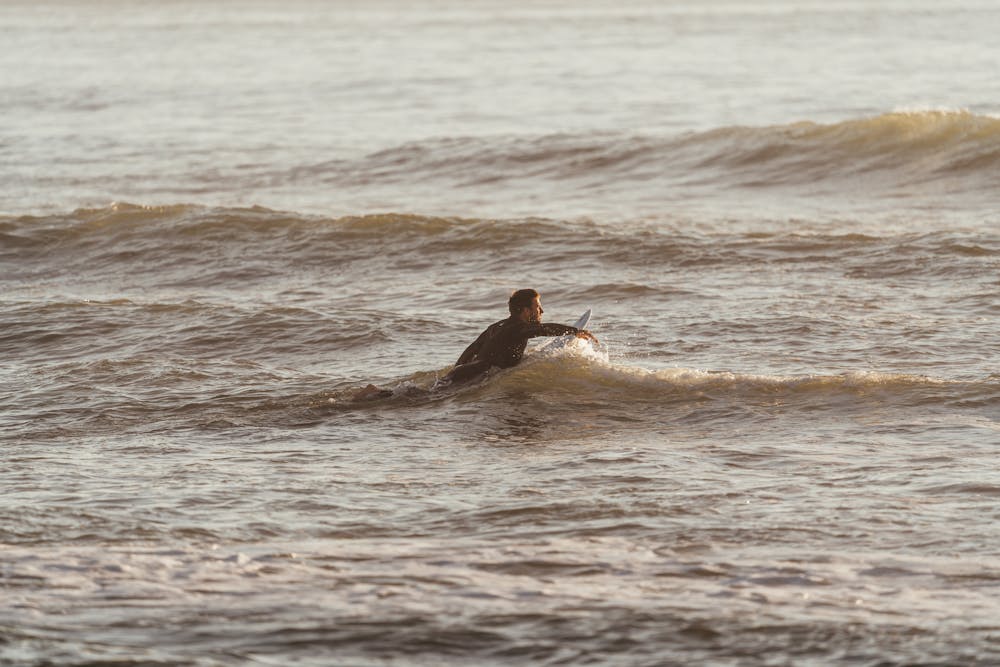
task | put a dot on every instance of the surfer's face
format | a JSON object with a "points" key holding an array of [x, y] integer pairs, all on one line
{"points": [[533, 313]]}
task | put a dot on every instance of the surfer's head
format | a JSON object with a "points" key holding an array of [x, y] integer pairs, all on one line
{"points": [[526, 304]]}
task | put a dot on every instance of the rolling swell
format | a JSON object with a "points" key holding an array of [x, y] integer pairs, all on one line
{"points": [[894, 150], [123, 235]]}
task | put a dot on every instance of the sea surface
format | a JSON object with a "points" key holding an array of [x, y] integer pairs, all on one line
{"points": [[220, 220]]}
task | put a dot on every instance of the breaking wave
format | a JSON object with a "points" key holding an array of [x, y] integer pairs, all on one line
{"points": [[580, 374]]}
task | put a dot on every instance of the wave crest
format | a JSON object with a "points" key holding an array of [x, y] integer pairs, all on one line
{"points": [[908, 145], [577, 375]]}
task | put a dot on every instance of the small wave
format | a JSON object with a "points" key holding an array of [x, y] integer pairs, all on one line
{"points": [[121, 220], [576, 372], [581, 372], [967, 489], [188, 329]]}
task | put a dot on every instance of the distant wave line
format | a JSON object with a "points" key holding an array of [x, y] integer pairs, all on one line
{"points": [[902, 147]]}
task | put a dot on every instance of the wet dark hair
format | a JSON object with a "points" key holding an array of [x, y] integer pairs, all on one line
{"points": [[522, 298]]}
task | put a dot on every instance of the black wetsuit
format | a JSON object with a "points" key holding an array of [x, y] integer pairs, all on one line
{"points": [[502, 344]]}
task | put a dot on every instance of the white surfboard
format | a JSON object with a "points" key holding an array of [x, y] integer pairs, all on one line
{"points": [[561, 341]]}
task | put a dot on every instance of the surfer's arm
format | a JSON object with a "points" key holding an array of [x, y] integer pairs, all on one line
{"points": [[549, 329]]}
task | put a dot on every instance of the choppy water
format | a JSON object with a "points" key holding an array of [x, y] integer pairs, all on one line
{"points": [[218, 223]]}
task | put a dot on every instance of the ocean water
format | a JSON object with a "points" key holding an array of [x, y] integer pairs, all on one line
{"points": [[220, 220]]}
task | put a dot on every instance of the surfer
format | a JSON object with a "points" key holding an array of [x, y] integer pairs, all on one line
{"points": [[502, 343]]}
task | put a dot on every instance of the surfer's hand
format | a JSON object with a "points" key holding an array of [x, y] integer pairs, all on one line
{"points": [[583, 333]]}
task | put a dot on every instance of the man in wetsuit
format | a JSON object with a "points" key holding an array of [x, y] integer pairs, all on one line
{"points": [[502, 343]]}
